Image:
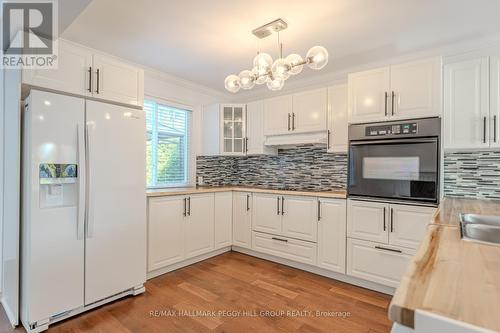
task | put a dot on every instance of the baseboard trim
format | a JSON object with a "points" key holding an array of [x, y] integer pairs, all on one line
{"points": [[319, 271], [186, 262]]}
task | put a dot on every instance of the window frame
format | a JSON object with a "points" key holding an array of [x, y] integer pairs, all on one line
{"points": [[154, 142]]}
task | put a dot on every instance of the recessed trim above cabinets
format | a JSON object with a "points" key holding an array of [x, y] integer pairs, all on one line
{"points": [[404, 91]]}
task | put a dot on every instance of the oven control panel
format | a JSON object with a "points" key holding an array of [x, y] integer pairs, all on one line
{"points": [[393, 129]]}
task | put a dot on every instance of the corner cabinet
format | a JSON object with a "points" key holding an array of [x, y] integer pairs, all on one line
{"points": [[82, 71], [404, 91]]}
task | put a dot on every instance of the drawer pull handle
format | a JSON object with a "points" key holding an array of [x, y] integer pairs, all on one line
{"points": [[280, 239], [387, 249]]}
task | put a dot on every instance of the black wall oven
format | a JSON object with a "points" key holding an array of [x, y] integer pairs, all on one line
{"points": [[395, 160]]}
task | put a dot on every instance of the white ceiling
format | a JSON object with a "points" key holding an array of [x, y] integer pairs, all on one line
{"points": [[204, 41]]}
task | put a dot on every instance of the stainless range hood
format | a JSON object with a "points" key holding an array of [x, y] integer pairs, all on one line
{"points": [[297, 139]]}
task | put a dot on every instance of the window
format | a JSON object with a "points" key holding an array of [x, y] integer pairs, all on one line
{"points": [[167, 145]]}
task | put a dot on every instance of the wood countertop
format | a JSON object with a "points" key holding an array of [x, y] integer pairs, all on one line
{"points": [[449, 276], [337, 194]]}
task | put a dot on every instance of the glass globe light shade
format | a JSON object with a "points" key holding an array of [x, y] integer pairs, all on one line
{"points": [[260, 78], [280, 69], [232, 83], [247, 79], [275, 84], [262, 63], [293, 60], [317, 57], [262, 60]]}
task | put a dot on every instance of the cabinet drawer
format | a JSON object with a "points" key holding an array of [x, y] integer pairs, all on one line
{"points": [[287, 248], [376, 262]]}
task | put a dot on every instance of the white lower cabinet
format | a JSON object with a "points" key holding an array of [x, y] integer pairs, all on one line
{"points": [[288, 248], [382, 238], [166, 231], [367, 220], [380, 263], [223, 219], [199, 232], [179, 227], [242, 219], [286, 215], [408, 224], [300, 217], [332, 234], [266, 213]]}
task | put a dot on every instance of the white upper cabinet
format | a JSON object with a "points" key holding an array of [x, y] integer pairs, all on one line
{"points": [[255, 130], [309, 110], [73, 74], [83, 72], [416, 89], [368, 95], [466, 112], [495, 101], [278, 115], [233, 125], [405, 91], [117, 81], [337, 119]]}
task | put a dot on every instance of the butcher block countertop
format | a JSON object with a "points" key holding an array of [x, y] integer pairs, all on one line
{"points": [[449, 276], [339, 194]]}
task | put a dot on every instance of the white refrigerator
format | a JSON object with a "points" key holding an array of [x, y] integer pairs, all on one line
{"points": [[83, 206]]}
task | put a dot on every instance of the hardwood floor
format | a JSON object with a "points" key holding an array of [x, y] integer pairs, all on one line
{"points": [[257, 296]]}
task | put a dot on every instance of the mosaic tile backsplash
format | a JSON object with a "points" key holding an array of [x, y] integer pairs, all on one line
{"points": [[301, 168], [472, 174]]}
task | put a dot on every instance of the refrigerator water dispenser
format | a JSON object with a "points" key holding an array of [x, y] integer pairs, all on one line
{"points": [[58, 185]]}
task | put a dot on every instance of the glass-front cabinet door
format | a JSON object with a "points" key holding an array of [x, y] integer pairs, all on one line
{"points": [[233, 134]]}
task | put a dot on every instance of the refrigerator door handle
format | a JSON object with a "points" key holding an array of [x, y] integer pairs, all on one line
{"points": [[89, 215], [80, 227]]}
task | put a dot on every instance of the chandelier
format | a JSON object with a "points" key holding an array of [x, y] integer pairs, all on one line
{"points": [[274, 74]]}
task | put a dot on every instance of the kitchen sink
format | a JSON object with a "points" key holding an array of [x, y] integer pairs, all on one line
{"points": [[480, 228]]}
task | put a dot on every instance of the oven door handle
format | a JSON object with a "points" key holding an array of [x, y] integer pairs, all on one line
{"points": [[374, 142]]}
